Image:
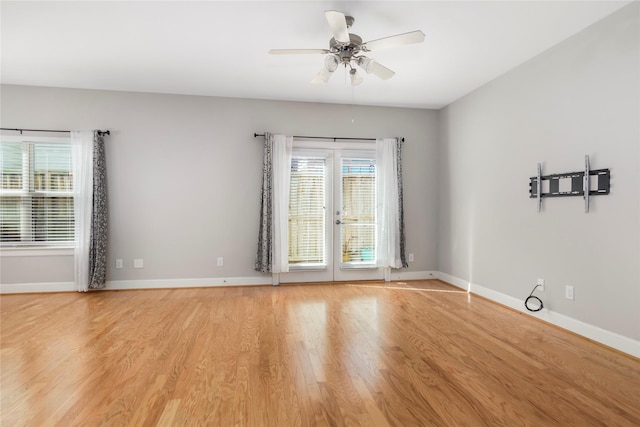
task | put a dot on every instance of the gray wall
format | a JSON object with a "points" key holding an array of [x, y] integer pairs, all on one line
{"points": [[581, 97], [184, 174]]}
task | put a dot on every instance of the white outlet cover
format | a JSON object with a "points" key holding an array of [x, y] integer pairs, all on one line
{"points": [[138, 263], [568, 293]]}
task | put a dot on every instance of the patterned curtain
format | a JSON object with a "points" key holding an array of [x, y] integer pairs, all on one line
{"points": [[264, 257], [273, 241], [90, 210], [403, 258], [98, 242]]}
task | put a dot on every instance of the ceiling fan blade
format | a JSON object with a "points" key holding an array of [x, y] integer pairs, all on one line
{"points": [[297, 51], [380, 71], [323, 76], [338, 25], [393, 41]]}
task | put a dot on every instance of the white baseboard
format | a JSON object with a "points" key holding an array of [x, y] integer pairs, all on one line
{"points": [[459, 283], [25, 288], [608, 338], [20, 288], [413, 275], [188, 283]]}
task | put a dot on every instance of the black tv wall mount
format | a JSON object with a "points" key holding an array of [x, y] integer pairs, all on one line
{"points": [[570, 184]]}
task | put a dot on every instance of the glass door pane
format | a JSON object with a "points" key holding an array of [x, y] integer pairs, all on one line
{"points": [[355, 232], [307, 212], [358, 236], [310, 202]]}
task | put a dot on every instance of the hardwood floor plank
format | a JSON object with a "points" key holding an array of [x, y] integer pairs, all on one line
{"points": [[341, 354], [168, 413]]}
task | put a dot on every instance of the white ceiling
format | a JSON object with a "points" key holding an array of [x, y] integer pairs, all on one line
{"points": [[219, 48]]}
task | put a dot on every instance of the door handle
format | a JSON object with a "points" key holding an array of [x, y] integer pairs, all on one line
{"points": [[338, 222]]}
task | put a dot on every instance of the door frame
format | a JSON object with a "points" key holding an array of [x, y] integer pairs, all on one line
{"points": [[333, 270], [317, 273], [341, 271]]}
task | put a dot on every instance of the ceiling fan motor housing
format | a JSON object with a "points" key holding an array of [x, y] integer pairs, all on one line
{"points": [[346, 51]]}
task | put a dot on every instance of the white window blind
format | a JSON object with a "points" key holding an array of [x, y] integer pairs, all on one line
{"points": [[36, 194], [358, 235], [307, 211]]}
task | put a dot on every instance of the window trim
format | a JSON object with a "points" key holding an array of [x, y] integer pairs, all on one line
{"points": [[35, 251], [318, 144], [38, 139], [308, 267]]}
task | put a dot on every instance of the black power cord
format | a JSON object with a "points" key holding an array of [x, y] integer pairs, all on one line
{"points": [[533, 303]]}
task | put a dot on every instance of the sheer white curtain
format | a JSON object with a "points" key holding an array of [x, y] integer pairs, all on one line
{"points": [[388, 219], [282, 150], [82, 164]]}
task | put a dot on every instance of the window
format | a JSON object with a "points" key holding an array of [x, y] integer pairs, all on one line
{"points": [[36, 192]]}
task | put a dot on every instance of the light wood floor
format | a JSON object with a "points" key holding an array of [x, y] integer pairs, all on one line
{"points": [[403, 354]]}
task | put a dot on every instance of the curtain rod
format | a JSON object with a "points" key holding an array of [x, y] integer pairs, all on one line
{"points": [[255, 135], [101, 132]]}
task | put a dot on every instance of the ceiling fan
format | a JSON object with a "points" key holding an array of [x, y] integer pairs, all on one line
{"points": [[346, 49]]}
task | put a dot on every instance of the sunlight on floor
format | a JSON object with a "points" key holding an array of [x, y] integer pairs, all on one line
{"points": [[408, 288]]}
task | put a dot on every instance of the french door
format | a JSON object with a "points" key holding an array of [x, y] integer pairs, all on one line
{"points": [[332, 216]]}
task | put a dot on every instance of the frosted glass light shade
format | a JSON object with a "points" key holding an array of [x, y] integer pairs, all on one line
{"points": [[323, 76], [331, 62], [366, 64], [355, 77]]}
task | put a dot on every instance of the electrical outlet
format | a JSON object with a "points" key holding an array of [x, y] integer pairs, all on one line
{"points": [[220, 261], [568, 292], [119, 263], [541, 284], [410, 257], [138, 263]]}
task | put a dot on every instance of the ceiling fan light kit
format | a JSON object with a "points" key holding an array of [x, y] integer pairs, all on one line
{"points": [[331, 63], [345, 49], [323, 76], [365, 63], [356, 79]]}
